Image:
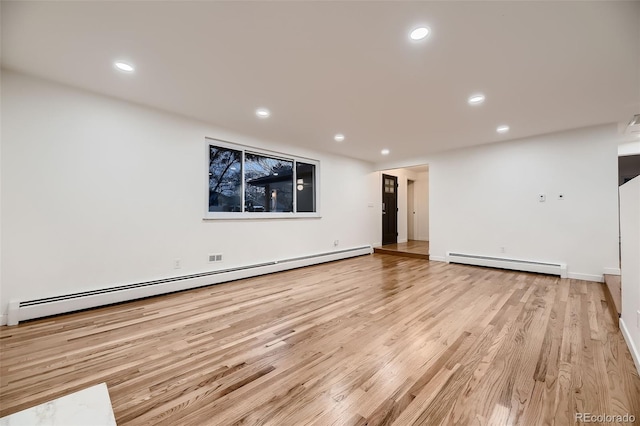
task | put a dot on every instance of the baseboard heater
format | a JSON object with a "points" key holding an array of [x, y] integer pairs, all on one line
{"points": [[505, 263], [38, 308]]}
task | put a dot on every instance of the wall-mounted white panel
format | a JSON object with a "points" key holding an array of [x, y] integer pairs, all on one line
{"points": [[630, 264]]}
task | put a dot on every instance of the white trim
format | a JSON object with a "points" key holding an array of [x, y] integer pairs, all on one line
{"points": [[555, 268], [254, 150], [259, 215], [632, 347], [12, 312], [438, 258], [629, 148], [3, 319], [611, 271], [585, 277], [403, 240], [86, 301]]}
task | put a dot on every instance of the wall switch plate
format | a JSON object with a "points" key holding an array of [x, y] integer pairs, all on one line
{"points": [[542, 198]]}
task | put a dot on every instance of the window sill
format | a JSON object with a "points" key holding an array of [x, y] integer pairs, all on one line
{"points": [[260, 216]]}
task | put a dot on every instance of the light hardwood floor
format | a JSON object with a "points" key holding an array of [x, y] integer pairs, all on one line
{"points": [[372, 340], [412, 248]]}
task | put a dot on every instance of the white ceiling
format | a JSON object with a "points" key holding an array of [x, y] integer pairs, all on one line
{"points": [[348, 67]]}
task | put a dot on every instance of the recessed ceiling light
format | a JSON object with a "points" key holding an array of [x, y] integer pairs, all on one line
{"points": [[263, 112], [123, 66], [476, 99], [339, 137], [385, 152], [502, 129], [419, 33]]}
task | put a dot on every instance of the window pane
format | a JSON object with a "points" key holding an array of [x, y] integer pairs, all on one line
{"points": [[305, 187], [268, 184], [225, 179]]}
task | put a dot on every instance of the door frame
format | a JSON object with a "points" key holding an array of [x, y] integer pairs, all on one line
{"points": [[412, 223]]}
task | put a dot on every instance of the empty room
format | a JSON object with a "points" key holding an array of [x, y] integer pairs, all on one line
{"points": [[319, 213]]}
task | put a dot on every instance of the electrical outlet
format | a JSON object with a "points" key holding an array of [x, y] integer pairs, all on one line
{"points": [[177, 264], [502, 250], [336, 242], [215, 257]]}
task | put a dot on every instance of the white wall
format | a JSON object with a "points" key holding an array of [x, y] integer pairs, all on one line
{"points": [[97, 192], [629, 148], [486, 197], [3, 319], [630, 262], [422, 206]]}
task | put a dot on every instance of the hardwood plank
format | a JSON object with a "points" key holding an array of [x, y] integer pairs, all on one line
{"points": [[614, 293], [413, 248], [375, 340]]}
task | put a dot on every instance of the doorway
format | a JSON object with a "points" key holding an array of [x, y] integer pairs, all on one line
{"points": [[389, 209], [411, 211]]}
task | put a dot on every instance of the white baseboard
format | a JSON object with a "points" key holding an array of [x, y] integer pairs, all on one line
{"points": [[437, 258], [585, 277], [611, 271], [403, 240], [556, 268], [632, 347], [86, 300], [3, 320]]}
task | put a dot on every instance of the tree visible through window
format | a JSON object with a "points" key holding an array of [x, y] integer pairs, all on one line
{"points": [[225, 180]]}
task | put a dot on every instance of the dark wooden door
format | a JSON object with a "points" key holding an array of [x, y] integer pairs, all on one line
{"points": [[389, 209]]}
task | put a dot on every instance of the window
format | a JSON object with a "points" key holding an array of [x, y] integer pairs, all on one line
{"points": [[225, 179], [305, 187], [389, 186], [245, 183], [268, 184]]}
